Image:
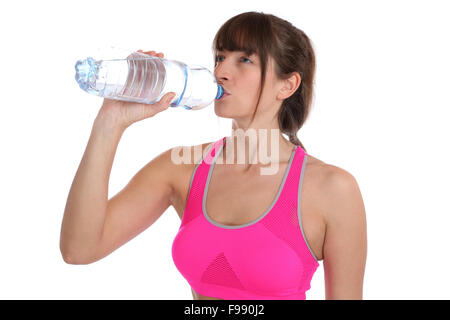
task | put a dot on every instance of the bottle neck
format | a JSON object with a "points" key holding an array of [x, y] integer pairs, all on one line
{"points": [[220, 92]]}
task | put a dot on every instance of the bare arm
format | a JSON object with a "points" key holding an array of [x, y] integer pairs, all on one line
{"points": [[85, 210], [345, 245], [92, 226]]}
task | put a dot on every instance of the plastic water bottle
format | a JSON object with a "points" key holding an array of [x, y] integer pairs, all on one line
{"points": [[146, 79]]}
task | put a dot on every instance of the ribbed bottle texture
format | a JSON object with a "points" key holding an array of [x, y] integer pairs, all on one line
{"points": [[146, 79]]}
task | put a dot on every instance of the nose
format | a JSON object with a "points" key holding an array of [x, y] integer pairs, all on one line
{"points": [[221, 72]]}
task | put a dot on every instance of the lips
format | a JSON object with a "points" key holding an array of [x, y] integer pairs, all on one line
{"points": [[225, 93], [224, 89]]}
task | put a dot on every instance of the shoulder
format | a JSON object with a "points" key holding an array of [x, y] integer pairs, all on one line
{"points": [[338, 194], [180, 161], [345, 238], [174, 161], [185, 157]]}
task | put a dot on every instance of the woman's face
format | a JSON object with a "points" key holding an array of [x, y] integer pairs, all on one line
{"points": [[240, 76]]}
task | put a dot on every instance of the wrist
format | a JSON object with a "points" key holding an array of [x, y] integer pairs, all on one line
{"points": [[108, 124]]}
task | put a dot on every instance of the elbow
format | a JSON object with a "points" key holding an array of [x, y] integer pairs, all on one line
{"points": [[75, 257], [69, 259]]}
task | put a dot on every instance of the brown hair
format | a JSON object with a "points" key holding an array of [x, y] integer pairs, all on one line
{"points": [[292, 51]]}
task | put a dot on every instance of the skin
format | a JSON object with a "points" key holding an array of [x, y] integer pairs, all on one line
{"points": [[339, 234], [333, 214], [240, 76]]}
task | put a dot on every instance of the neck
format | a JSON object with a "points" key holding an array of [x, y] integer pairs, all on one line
{"points": [[256, 147]]}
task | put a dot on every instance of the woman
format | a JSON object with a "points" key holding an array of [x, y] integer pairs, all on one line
{"points": [[243, 234]]}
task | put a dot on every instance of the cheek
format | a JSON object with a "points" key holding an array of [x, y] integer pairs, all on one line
{"points": [[249, 90]]}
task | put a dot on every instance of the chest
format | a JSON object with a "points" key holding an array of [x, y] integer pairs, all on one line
{"points": [[233, 199], [236, 199]]}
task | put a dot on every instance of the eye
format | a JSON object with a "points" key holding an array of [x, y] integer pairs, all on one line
{"points": [[244, 58]]}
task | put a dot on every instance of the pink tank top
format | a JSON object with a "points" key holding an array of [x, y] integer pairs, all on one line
{"points": [[266, 259]]}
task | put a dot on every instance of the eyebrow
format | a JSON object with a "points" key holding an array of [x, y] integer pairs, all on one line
{"points": [[239, 51]]}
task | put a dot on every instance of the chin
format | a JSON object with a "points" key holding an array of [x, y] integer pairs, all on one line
{"points": [[221, 111], [227, 111]]}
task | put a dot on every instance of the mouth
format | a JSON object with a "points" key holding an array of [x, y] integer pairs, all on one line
{"points": [[225, 94]]}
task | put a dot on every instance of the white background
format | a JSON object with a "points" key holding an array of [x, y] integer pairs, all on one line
{"points": [[381, 113]]}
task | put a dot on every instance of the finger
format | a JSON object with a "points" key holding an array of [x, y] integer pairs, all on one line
{"points": [[153, 53], [169, 97], [164, 103]]}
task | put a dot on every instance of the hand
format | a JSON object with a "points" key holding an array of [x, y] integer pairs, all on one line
{"points": [[124, 113]]}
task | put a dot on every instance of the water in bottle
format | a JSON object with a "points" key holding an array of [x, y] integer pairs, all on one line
{"points": [[146, 79]]}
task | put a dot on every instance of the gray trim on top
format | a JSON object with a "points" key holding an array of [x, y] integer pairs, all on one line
{"points": [[299, 203], [192, 178], [205, 193]]}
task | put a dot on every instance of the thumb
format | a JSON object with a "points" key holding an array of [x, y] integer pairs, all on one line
{"points": [[165, 101], [170, 96]]}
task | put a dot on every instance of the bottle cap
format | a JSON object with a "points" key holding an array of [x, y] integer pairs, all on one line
{"points": [[85, 72], [219, 92]]}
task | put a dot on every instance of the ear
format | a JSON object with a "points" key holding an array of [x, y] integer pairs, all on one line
{"points": [[289, 86]]}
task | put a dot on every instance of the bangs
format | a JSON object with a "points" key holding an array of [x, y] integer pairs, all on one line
{"points": [[247, 33]]}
